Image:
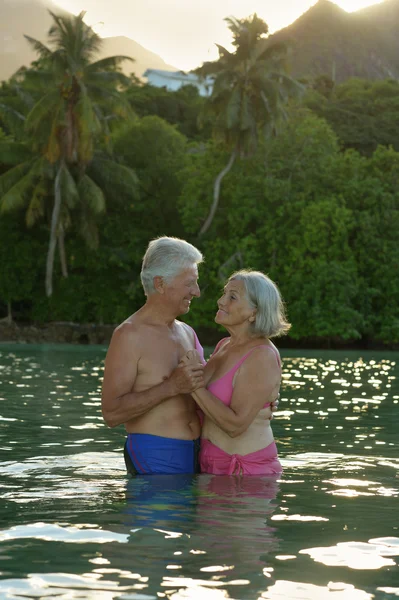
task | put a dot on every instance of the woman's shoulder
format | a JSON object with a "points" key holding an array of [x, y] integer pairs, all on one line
{"points": [[263, 350]]}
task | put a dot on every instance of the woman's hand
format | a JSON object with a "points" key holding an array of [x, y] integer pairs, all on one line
{"points": [[193, 359], [274, 406]]}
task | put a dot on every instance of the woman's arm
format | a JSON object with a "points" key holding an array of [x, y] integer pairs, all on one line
{"points": [[257, 382]]}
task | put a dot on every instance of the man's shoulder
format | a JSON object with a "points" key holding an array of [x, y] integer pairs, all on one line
{"points": [[129, 328], [186, 328]]}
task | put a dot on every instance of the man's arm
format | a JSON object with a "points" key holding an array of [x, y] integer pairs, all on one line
{"points": [[119, 404]]}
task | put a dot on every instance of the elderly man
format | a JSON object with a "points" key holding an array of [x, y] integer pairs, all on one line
{"points": [[144, 386]]}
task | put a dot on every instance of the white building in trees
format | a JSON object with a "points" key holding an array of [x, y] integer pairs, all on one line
{"points": [[174, 80]]}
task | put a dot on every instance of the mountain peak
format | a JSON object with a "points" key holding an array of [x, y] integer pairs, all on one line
{"points": [[327, 40], [31, 17], [324, 9]]}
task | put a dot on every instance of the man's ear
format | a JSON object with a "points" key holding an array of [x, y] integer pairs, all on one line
{"points": [[159, 285]]}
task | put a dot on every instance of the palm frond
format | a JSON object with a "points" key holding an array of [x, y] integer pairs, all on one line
{"points": [[12, 153], [91, 195], [115, 179], [79, 42], [43, 110], [233, 109], [36, 208], [88, 126], [266, 51], [26, 99], [112, 102], [38, 80], [12, 176], [38, 47], [111, 79], [69, 190], [12, 119], [223, 52], [17, 196], [89, 231], [53, 147], [110, 62]]}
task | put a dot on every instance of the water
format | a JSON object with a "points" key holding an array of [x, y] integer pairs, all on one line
{"points": [[72, 526]]}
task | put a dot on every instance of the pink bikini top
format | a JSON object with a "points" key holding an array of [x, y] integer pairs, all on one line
{"points": [[222, 388]]}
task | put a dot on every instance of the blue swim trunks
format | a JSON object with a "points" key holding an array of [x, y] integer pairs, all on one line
{"points": [[149, 454]]}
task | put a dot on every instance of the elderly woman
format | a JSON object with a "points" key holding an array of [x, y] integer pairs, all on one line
{"points": [[242, 379]]}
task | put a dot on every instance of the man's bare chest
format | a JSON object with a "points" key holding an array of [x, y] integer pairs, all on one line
{"points": [[159, 355]]}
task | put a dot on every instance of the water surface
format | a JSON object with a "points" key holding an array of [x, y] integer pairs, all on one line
{"points": [[72, 526]]}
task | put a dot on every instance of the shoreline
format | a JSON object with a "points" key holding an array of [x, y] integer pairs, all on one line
{"points": [[56, 333], [60, 332]]}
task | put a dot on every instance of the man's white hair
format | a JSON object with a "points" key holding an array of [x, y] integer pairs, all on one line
{"points": [[167, 257]]}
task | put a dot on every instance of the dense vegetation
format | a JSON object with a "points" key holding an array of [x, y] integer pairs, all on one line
{"points": [[312, 197]]}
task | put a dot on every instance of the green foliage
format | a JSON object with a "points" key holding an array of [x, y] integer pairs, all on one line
{"points": [[181, 108], [316, 207], [304, 217], [68, 102], [156, 151], [363, 113], [19, 265]]}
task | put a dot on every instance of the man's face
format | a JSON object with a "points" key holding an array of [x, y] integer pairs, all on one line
{"points": [[182, 289]]}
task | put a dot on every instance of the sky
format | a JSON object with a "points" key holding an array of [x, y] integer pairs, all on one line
{"points": [[184, 32]]}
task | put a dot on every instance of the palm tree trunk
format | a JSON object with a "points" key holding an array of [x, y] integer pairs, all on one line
{"points": [[216, 192], [61, 248], [53, 233]]}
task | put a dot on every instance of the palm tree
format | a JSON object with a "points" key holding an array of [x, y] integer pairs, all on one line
{"points": [[71, 103], [251, 86]]}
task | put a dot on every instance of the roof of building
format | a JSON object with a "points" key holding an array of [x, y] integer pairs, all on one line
{"points": [[180, 75]]}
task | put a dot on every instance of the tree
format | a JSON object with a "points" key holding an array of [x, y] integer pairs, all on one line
{"points": [[75, 103], [251, 87], [181, 107], [19, 268], [363, 113]]}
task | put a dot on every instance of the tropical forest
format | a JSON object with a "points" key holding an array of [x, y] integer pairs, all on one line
{"points": [[296, 175]]}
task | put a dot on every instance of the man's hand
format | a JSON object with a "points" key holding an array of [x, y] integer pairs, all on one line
{"points": [[188, 376]]}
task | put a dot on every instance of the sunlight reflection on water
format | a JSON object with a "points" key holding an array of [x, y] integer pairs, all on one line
{"points": [[74, 527]]}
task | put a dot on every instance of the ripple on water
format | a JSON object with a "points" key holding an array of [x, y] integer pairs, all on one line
{"points": [[293, 590], [55, 533], [70, 508], [356, 555]]}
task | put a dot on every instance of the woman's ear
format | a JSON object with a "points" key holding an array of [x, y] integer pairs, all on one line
{"points": [[159, 285], [252, 318]]}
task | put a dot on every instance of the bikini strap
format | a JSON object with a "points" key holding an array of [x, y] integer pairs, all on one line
{"points": [[239, 363], [276, 353], [218, 345]]}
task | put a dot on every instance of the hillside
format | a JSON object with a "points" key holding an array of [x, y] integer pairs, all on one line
{"points": [[144, 59], [31, 17], [326, 40]]}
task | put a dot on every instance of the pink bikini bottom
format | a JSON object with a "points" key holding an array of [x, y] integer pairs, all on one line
{"points": [[262, 462]]}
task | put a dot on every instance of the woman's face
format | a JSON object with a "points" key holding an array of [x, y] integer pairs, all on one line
{"points": [[234, 307]]}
